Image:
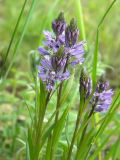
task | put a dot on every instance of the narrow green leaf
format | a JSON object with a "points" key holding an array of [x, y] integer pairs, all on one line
{"points": [[103, 143], [27, 152], [18, 43], [95, 58], [46, 134], [30, 145], [107, 120], [49, 122], [115, 153], [114, 149], [42, 96], [84, 145], [79, 14], [67, 89], [48, 149], [59, 125], [15, 30], [39, 117]]}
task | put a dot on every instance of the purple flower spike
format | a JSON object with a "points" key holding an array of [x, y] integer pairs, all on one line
{"points": [[102, 97], [60, 49], [58, 25]]}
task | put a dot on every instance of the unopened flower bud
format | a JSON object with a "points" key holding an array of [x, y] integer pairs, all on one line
{"points": [[85, 85], [58, 25], [71, 34]]}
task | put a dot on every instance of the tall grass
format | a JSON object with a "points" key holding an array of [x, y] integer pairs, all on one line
{"points": [[95, 59], [19, 41], [15, 30]]}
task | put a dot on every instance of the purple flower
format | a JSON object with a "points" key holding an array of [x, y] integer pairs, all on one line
{"points": [[58, 25], [43, 51], [102, 98], [76, 53], [52, 70], [52, 43]]}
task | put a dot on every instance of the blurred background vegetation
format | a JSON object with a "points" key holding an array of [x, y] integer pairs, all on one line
{"points": [[13, 112]]}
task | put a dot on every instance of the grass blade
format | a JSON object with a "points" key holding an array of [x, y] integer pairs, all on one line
{"points": [[79, 14], [67, 90], [95, 58], [57, 131], [114, 150], [104, 142], [18, 43], [15, 30]]}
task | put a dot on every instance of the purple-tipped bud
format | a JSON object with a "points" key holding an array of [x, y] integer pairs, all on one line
{"points": [[101, 86], [57, 63], [85, 85], [58, 25], [71, 34], [58, 60]]}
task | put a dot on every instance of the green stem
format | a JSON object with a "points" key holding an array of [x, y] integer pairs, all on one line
{"points": [[82, 138], [58, 102], [39, 128], [58, 106], [59, 93], [56, 118], [97, 118], [74, 135], [84, 131], [81, 107]]}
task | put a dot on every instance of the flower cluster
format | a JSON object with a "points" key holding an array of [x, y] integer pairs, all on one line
{"points": [[60, 49], [102, 97]]}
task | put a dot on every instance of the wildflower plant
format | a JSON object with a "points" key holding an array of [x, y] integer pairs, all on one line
{"points": [[60, 55], [72, 108]]}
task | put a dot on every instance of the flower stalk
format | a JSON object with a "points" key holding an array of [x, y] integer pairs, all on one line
{"points": [[58, 101], [85, 90], [60, 52]]}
